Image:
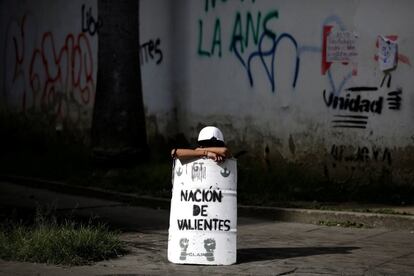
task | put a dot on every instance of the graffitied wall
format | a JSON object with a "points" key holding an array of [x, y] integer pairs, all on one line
{"points": [[324, 84], [49, 58], [156, 53], [309, 82]]}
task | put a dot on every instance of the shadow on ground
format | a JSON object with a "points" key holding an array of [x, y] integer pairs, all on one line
{"points": [[248, 255]]}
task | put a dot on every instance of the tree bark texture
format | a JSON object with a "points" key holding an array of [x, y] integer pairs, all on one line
{"points": [[118, 126]]}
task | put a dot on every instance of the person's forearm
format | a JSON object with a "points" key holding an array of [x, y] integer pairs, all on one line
{"points": [[223, 151], [190, 153]]}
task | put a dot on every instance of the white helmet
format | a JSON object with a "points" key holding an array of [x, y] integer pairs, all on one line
{"points": [[210, 136]]}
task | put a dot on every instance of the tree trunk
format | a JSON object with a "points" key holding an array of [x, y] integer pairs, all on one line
{"points": [[118, 126]]}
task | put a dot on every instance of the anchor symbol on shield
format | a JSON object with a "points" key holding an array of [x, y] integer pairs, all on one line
{"points": [[225, 172], [179, 171]]}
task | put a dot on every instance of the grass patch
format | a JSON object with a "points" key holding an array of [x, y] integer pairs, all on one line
{"points": [[346, 224], [32, 147], [290, 182], [343, 207], [48, 240], [385, 211], [152, 178]]}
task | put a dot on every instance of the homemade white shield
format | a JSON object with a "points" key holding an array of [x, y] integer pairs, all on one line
{"points": [[203, 218]]}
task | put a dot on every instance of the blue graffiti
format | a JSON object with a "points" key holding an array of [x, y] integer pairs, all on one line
{"points": [[336, 91], [261, 54], [311, 49], [275, 41]]}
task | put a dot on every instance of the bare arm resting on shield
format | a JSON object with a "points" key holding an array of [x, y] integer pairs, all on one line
{"points": [[222, 151], [218, 154], [211, 145]]}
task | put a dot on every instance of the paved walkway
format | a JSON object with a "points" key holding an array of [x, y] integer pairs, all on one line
{"points": [[264, 247]]}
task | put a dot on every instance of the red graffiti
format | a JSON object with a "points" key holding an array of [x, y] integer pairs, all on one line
{"points": [[77, 75], [60, 79], [325, 64]]}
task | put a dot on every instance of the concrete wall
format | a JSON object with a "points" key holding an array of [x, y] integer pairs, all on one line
{"points": [[157, 53], [273, 96], [254, 68], [49, 59]]}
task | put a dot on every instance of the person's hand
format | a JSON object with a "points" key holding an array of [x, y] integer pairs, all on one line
{"points": [[214, 156]]}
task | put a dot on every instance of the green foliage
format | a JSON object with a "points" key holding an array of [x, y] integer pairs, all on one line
{"points": [[287, 182], [50, 241], [32, 147], [152, 178], [346, 224]]}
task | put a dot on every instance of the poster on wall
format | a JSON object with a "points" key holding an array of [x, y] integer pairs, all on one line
{"points": [[341, 46], [387, 53]]}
